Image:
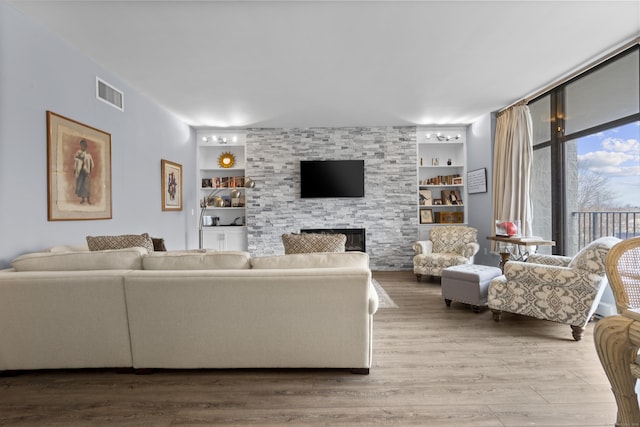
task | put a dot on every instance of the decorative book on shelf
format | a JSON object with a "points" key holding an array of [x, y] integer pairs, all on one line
{"points": [[223, 182], [449, 217], [443, 180]]}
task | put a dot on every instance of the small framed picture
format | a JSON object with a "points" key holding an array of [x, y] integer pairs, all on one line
{"points": [[457, 197], [171, 186], [451, 197], [457, 181], [426, 216], [425, 198], [437, 201]]}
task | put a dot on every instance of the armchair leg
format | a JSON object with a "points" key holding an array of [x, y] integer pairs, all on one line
{"points": [[577, 332], [418, 277], [497, 314]]}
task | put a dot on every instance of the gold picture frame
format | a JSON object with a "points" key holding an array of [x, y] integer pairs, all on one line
{"points": [[171, 186], [78, 170]]}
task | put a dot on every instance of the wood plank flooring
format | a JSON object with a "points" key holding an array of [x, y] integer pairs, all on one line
{"points": [[433, 366]]}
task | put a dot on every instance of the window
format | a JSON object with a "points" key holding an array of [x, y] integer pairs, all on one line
{"points": [[603, 185], [586, 162]]}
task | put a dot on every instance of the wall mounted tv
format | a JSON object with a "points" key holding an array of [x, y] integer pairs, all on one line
{"points": [[331, 178]]}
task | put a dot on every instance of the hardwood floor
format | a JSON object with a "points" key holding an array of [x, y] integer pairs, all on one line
{"points": [[433, 366]]}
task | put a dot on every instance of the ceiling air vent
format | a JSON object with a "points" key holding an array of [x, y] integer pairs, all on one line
{"points": [[109, 94]]}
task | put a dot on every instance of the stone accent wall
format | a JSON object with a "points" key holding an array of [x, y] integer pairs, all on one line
{"points": [[388, 211]]}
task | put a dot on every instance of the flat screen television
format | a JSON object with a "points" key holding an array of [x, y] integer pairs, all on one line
{"points": [[331, 178]]}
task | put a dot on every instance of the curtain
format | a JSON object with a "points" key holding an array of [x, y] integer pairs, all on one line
{"points": [[512, 158]]}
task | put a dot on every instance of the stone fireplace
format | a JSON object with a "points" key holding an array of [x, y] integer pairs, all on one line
{"points": [[355, 236]]}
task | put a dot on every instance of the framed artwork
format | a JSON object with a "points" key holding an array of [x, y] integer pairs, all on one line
{"points": [[477, 181], [171, 186], [426, 216], [457, 197], [451, 197], [425, 198], [457, 181], [78, 170]]}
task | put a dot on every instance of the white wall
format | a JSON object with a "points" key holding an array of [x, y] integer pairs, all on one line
{"points": [[40, 72]]}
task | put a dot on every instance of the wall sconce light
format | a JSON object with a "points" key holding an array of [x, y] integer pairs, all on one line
{"points": [[440, 137], [219, 139]]}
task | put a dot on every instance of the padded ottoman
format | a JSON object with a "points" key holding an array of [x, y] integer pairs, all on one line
{"points": [[468, 283]]}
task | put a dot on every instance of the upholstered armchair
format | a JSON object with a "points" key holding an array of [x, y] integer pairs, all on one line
{"points": [[561, 289], [447, 246]]}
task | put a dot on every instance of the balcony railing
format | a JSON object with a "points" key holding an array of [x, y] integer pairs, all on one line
{"points": [[593, 225]]}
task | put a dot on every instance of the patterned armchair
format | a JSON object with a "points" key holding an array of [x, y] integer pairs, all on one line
{"points": [[447, 246], [561, 289]]}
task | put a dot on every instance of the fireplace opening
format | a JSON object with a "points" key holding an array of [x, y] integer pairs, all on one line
{"points": [[355, 236]]}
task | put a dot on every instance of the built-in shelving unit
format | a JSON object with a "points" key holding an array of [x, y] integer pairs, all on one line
{"points": [[221, 164], [441, 158]]}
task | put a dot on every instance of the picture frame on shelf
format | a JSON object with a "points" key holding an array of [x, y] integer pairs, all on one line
{"points": [[457, 181], [426, 216], [78, 170], [451, 197], [437, 202], [458, 197], [171, 186], [425, 198]]}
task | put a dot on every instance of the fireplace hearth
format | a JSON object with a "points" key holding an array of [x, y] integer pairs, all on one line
{"points": [[355, 236]]}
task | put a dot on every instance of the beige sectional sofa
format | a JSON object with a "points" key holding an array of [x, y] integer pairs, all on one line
{"points": [[131, 308]]}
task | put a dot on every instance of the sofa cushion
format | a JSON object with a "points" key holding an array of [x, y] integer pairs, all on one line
{"points": [[196, 260], [452, 239], [312, 260], [117, 259], [312, 242], [101, 243], [593, 256], [68, 248]]}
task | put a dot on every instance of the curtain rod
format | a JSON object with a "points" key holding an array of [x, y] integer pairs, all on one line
{"points": [[581, 69]]}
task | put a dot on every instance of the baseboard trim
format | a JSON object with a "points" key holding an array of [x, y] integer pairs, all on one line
{"points": [[605, 309]]}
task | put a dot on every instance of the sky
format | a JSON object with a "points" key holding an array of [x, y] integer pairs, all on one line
{"points": [[616, 154]]}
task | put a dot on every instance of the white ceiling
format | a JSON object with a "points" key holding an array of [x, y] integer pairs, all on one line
{"points": [[338, 63]]}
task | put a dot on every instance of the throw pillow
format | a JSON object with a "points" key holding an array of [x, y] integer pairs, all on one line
{"points": [[311, 242], [158, 244], [102, 243]]}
